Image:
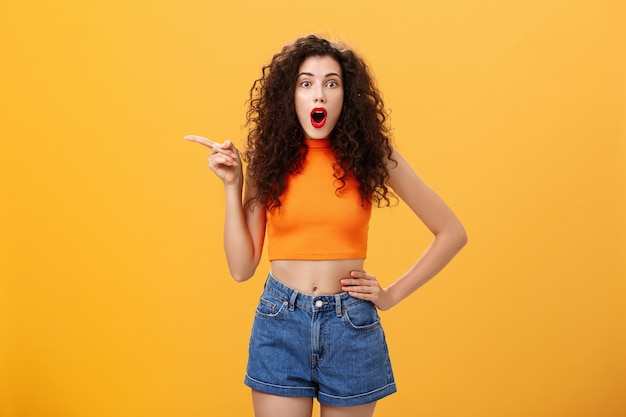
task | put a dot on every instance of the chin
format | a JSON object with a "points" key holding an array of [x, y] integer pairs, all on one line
{"points": [[323, 134]]}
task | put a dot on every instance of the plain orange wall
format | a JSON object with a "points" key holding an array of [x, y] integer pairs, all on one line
{"points": [[114, 294]]}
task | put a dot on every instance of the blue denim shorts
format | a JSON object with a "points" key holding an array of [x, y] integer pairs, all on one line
{"points": [[329, 347]]}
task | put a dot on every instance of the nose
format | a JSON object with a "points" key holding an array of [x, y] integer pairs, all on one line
{"points": [[319, 95]]}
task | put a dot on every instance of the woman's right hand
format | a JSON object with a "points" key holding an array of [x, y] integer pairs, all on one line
{"points": [[224, 159]]}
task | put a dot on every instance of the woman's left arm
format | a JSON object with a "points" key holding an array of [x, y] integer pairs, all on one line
{"points": [[449, 234]]}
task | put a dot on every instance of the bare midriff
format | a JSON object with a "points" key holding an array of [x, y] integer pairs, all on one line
{"points": [[321, 277]]}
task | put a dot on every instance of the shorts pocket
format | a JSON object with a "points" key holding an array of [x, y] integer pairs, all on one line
{"points": [[362, 316], [270, 306]]}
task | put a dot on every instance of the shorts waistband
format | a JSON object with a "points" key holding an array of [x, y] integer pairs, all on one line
{"points": [[295, 298]]}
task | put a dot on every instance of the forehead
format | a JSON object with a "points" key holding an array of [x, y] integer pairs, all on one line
{"points": [[320, 65]]}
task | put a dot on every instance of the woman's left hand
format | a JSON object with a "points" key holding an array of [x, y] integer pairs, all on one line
{"points": [[365, 287]]}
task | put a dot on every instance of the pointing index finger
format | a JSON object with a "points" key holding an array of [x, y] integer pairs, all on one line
{"points": [[201, 140]]}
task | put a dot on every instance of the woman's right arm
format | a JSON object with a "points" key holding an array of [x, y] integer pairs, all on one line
{"points": [[244, 227], [244, 232]]}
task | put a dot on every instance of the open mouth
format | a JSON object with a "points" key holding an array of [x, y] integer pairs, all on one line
{"points": [[318, 117]]}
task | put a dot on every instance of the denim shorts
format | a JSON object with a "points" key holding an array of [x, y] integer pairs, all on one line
{"points": [[329, 347]]}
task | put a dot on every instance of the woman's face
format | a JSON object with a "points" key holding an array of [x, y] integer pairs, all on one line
{"points": [[319, 96]]}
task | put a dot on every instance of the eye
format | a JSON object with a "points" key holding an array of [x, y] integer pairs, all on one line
{"points": [[305, 84], [332, 84]]}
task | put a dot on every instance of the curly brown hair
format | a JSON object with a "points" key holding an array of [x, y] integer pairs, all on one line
{"points": [[360, 141]]}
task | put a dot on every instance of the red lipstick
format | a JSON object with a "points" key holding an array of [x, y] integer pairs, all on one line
{"points": [[318, 117]]}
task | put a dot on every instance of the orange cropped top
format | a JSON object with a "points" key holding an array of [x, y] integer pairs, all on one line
{"points": [[314, 222]]}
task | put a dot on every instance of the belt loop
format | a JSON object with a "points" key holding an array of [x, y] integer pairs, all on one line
{"points": [[292, 300], [338, 304]]}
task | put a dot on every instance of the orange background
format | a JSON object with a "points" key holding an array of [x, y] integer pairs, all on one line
{"points": [[114, 294]]}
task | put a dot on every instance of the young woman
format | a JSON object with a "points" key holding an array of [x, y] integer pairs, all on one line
{"points": [[318, 158]]}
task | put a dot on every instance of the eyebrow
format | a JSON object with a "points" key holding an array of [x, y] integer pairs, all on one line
{"points": [[309, 74]]}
